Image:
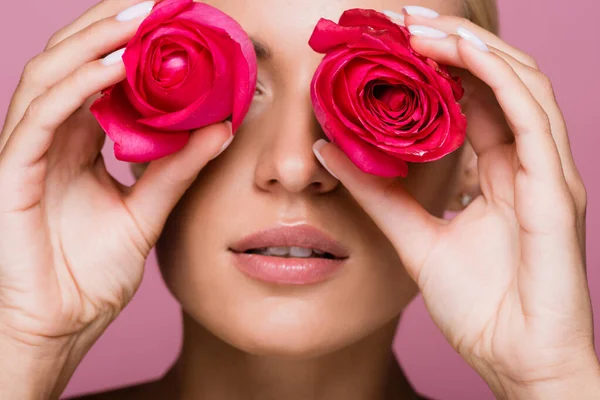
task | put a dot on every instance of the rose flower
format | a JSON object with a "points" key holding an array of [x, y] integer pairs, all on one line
{"points": [[378, 100], [188, 66]]}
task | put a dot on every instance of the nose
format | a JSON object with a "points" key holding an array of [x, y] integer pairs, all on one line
{"points": [[287, 162]]}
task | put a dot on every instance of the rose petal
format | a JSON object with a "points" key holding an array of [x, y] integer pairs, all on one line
{"points": [[392, 101], [214, 105], [218, 107], [198, 76], [199, 80], [328, 35], [162, 12], [343, 105], [367, 157], [133, 142], [364, 17], [244, 59], [375, 23]]}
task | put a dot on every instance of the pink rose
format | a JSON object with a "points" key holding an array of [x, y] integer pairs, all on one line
{"points": [[382, 103], [188, 66]]}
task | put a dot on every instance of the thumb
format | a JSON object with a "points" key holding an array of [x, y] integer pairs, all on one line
{"points": [[164, 182], [410, 228]]}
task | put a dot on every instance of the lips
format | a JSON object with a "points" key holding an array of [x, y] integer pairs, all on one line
{"points": [[273, 242], [299, 255], [292, 252]]}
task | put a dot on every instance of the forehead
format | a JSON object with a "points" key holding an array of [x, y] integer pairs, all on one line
{"points": [[288, 24]]}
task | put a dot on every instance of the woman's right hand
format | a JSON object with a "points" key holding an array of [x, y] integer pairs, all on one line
{"points": [[73, 241]]}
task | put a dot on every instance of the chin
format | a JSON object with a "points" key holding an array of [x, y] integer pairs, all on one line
{"points": [[288, 328], [227, 306], [307, 323]]}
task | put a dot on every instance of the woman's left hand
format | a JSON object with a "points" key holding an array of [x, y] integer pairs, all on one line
{"points": [[505, 280]]}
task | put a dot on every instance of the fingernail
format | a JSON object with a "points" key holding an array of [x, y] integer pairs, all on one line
{"points": [[319, 144], [466, 199], [228, 142], [474, 39], [394, 16], [137, 11], [114, 57], [426, 31], [419, 11]]}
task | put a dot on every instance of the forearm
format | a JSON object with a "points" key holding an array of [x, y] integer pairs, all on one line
{"points": [[41, 369], [30, 373]]}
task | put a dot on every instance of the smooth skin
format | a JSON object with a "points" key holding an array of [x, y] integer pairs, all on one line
{"points": [[83, 237], [521, 318], [517, 252]]}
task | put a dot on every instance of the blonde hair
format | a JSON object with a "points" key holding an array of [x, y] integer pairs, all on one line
{"points": [[484, 13]]}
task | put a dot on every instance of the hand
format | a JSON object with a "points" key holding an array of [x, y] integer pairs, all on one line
{"points": [[73, 241], [505, 280]]}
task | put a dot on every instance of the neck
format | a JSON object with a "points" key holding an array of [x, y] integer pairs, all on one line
{"points": [[209, 368]]}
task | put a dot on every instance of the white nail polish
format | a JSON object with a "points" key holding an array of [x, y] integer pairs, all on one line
{"points": [[465, 200], [225, 146], [426, 31], [474, 39], [394, 16], [114, 57], [316, 149], [227, 143], [136, 11], [419, 11]]}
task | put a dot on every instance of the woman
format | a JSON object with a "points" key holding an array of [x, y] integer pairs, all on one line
{"points": [[504, 280]]}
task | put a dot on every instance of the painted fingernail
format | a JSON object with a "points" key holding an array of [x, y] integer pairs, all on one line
{"points": [[419, 11], [228, 142], [426, 31], [466, 199], [319, 144], [136, 11], [114, 58], [394, 16], [474, 39]]}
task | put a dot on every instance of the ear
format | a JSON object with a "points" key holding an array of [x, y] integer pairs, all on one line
{"points": [[466, 185]]}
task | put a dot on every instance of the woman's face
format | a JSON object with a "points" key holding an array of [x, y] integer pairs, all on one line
{"points": [[269, 178]]}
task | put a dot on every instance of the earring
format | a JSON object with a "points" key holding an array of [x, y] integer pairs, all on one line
{"points": [[465, 200]]}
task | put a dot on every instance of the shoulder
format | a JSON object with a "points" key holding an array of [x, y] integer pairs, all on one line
{"points": [[146, 391]]}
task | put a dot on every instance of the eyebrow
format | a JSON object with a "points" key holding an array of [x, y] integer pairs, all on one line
{"points": [[262, 50]]}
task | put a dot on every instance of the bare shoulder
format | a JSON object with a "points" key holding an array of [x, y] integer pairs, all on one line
{"points": [[146, 391]]}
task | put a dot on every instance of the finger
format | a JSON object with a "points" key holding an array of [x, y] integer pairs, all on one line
{"points": [[450, 24], [542, 90], [101, 10], [90, 43], [78, 141], [34, 134], [388, 204], [164, 181], [445, 51], [529, 122], [53, 65], [487, 128], [527, 119]]}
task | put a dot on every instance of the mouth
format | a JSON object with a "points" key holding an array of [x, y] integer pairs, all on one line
{"points": [[297, 255], [302, 241], [292, 252]]}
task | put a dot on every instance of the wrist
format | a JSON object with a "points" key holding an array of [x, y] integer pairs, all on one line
{"points": [[580, 380], [30, 372], [40, 367]]}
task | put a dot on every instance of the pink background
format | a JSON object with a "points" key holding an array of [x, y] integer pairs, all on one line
{"points": [[140, 345]]}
